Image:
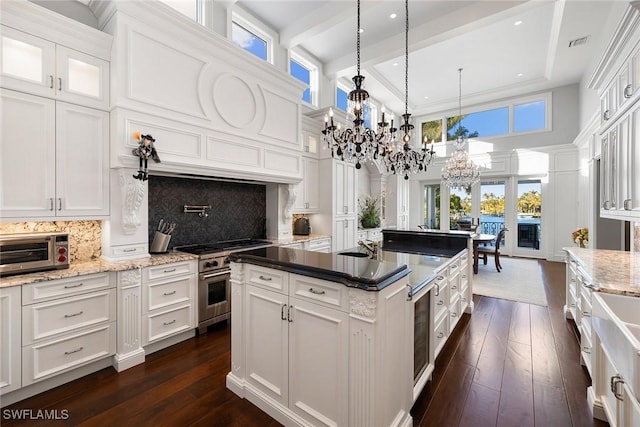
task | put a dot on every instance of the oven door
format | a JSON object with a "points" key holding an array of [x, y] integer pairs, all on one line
{"points": [[28, 254], [214, 297]]}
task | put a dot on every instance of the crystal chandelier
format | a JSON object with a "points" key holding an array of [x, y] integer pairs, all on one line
{"points": [[400, 157], [460, 171], [356, 143]]}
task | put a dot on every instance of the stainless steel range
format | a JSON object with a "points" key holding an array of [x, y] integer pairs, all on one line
{"points": [[214, 288]]}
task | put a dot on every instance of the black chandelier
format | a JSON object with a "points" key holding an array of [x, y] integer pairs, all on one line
{"points": [[400, 157], [357, 143]]}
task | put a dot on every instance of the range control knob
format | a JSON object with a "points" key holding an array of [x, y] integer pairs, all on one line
{"points": [[62, 258], [62, 250]]}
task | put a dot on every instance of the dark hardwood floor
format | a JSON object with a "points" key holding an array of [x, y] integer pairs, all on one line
{"points": [[509, 364]]}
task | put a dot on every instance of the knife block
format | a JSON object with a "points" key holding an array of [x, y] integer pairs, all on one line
{"points": [[160, 243]]}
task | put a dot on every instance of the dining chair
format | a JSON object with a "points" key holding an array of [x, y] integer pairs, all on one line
{"points": [[484, 250]]}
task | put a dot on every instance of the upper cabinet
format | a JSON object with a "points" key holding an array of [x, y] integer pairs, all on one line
{"points": [[617, 78], [344, 188], [34, 65], [63, 170], [307, 192]]}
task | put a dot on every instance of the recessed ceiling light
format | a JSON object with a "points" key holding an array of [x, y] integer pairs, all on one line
{"points": [[520, 74], [517, 23], [361, 30], [393, 16], [395, 64], [426, 97]]}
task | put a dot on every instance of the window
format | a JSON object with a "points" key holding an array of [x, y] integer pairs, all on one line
{"points": [[459, 206], [248, 41], [366, 115], [190, 8], [251, 35], [307, 72], [431, 208], [483, 123], [341, 99], [529, 116], [432, 130]]}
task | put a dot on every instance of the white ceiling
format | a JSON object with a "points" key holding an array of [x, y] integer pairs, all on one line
{"points": [[478, 36]]}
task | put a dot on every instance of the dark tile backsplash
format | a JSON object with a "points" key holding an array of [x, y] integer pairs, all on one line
{"points": [[237, 210]]}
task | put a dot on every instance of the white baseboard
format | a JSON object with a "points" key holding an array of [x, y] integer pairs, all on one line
{"points": [[125, 361]]}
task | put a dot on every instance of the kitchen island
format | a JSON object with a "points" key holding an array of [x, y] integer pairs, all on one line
{"points": [[330, 338]]}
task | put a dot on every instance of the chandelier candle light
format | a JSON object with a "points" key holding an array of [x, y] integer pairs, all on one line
{"points": [[401, 157], [357, 143], [460, 171]]}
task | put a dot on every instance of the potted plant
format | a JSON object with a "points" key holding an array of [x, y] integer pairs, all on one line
{"points": [[369, 211]]}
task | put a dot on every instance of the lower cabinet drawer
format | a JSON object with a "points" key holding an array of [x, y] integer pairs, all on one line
{"points": [[167, 293], [320, 291], [454, 314], [43, 360], [440, 334], [167, 323], [267, 278], [51, 289], [44, 320]]}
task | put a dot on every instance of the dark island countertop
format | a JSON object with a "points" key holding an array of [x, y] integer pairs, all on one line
{"points": [[358, 272]]}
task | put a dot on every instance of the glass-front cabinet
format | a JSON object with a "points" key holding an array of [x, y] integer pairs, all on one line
{"points": [[34, 65]]}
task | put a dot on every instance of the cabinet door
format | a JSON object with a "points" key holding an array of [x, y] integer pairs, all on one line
{"points": [[311, 184], [634, 165], [27, 63], [81, 78], [345, 188], [630, 408], [11, 361], [27, 155], [350, 188], [623, 176], [267, 343], [345, 233], [82, 161], [318, 363]]}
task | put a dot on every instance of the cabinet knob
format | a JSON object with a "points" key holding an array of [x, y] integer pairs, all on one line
{"points": [[628, 91], [606, 115]]}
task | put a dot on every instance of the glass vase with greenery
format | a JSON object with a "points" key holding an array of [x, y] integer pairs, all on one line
{"points": [[369, 211]]}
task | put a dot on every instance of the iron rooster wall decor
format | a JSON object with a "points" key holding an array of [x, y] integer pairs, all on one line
{"points": [[144, 150]]}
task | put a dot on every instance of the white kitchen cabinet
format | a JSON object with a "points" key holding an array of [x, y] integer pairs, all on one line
{"points": [[344, 188], [315, 352], [296, 354], [322, 244], [64, 169], [620, 405], [293, 245], [10, 327], [609, 101], [345, 232], [308, 190], [37, 66], [168, 300], [66, 324]]}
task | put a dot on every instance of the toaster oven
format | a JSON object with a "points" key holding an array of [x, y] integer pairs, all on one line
{"points": [[31, 252]]}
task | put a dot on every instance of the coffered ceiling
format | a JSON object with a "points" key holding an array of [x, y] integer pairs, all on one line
{"points": [[505, 48]]}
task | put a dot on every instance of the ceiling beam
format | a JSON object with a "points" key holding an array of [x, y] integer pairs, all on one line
{"points": [[554, 37], [316, 22]]}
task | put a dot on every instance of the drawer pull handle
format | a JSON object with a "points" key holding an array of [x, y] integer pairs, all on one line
{"points": [[171, 270], [586, 350], [440, 277], [264, 278], [627, 91], [464, 276], [74, 351], [50, 81], [73, 286], [313, 291], [440, 302], [454, 314], [454, 266], [130, 250], [454, 287], [586, 314], [440, 335], [74, 314], [169, 293], [289, 318], [59, 83], [437, 289], [282, 316], [169, 323]]}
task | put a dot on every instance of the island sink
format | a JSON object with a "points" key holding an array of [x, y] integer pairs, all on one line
{"points": [[354, 254]]}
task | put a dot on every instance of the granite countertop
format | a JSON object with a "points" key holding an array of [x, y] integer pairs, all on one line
{"points": [[94, 266], [363, 273], [614, 272]]}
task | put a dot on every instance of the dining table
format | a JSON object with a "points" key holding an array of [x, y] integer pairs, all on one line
{"points": [[477, 240]]}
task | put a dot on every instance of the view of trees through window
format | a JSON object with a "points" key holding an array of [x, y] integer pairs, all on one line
{"points": [[527, 116]]}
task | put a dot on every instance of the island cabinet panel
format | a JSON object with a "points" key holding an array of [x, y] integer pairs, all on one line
{"points": [[267, 342], [318, 353]]}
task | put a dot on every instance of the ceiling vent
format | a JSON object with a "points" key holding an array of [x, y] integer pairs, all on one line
{"points": [[579, 42]]}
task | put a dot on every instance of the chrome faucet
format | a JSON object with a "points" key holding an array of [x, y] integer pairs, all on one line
{"points": [[369, 246]]}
